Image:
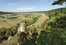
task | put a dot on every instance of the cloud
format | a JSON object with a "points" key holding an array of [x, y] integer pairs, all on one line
{"points": [[26, 9]]}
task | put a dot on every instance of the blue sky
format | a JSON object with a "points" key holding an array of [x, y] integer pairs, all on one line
{"points": [[27, 5]]}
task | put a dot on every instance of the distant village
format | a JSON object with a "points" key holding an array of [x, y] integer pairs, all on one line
{"points": [[11, 16]]}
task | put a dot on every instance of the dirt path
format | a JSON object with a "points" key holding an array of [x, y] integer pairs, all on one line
{"points": [[21, 28]]}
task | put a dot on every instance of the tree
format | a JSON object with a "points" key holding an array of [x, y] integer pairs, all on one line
{"points": [[59, 2]]}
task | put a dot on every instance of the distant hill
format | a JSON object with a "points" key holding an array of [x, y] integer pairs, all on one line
{"points": [[1, 12], [49, 12], [59, 10]]}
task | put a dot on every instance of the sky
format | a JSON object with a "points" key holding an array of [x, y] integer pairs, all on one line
{"points": [[27, 5]]}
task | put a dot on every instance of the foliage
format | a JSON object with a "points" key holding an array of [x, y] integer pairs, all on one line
{"points": [[58, 2], [55, 33]]}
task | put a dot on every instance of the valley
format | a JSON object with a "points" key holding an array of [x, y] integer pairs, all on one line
{"points": [[30, 28]]}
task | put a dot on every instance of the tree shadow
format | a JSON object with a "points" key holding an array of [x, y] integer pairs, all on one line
{"points": [[27, 41]]}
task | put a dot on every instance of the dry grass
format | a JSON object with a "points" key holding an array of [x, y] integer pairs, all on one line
{"points": [[7, 24]]}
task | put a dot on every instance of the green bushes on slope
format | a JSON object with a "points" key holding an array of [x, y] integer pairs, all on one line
{"points": [[55, 33]]}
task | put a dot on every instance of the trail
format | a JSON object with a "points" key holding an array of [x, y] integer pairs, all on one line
{"points": [[13, 40]]}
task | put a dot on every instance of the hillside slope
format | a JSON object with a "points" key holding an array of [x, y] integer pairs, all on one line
{"points": [[42, 20]]}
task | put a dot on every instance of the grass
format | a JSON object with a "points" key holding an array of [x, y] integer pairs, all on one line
{"points": [[4, 23]]}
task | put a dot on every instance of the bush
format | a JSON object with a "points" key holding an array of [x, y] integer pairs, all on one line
{"points": [[57, 31]]}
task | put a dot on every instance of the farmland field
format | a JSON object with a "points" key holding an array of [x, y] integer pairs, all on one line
{"points": [[6, 22]]}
